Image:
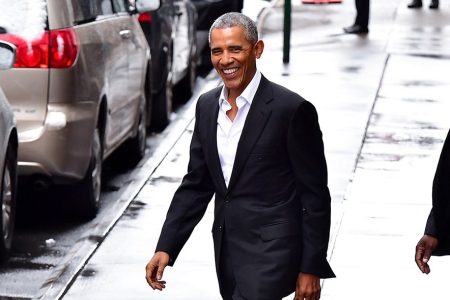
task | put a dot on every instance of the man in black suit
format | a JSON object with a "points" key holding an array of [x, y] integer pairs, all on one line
{"points": [[436, 240], [361, 25], [258, 147]]}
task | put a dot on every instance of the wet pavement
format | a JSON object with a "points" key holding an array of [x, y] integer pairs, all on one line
{"points": [[383, 107]]}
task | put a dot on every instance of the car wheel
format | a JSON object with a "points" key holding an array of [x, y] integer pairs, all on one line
{"points": [[90, 186], [185, 87], [162, 102], [8, 203], [136, 145]]}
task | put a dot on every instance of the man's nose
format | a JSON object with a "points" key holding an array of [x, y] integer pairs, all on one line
{"points": [[227, 58]]}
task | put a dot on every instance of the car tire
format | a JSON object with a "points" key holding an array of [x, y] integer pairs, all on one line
{"points": [[8, 202], [162, 102], [136, 145], [90, 187]]}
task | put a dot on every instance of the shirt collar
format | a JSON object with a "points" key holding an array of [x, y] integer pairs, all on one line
{"points": [[248, 94]]}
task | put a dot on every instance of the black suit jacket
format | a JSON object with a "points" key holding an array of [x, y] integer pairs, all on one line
{"points": [[275, 212], [438, 223]]}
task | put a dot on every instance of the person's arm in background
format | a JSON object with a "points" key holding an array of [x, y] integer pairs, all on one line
{"points": [[436, 240]]}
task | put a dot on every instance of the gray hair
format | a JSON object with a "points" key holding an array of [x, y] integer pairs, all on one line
{"points": [[233, 19]]}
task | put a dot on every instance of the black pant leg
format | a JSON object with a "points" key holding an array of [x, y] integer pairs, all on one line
{"points": [[227, 281], [362, 13]]}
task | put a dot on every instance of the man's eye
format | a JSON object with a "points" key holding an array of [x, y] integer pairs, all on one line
{"points": [[216, 52], [236, 50]]}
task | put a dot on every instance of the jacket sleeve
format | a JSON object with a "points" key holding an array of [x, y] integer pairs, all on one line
{"points": [[306, 152], [189, 202], [438, 223]]}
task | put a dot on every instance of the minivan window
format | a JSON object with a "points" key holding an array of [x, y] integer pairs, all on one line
{"points": [[88, 10], [24, 18], [119, 6]]}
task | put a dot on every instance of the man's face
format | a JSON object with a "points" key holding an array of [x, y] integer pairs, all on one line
{"points": [[234, 58]]}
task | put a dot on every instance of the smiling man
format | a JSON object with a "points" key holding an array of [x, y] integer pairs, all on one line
{"points": [[258, 148]]}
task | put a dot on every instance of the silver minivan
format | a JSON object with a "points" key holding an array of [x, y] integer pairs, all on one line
{"points": [[79, 90]]}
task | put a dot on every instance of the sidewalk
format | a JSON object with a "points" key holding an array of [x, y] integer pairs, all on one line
{"points": [[384, 111]]}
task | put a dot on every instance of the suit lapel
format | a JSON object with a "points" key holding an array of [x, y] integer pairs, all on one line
{"points": [[254, 125]]}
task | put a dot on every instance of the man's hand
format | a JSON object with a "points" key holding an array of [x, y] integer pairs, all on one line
{"points": [[308, 287], [424, 248], [155, 269]]}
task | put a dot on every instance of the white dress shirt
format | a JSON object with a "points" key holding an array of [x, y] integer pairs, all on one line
{"points": [[229, 132]]}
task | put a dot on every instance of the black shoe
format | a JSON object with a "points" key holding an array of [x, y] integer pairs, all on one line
{"points": [[434, 4], [356, 29], [415, 4]]}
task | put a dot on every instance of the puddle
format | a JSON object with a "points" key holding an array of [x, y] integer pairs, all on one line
{"points": [[88, 272], [169, 179]]}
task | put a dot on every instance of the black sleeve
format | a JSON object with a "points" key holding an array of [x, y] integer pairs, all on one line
{"points": [[306, 152], [438, 223]]}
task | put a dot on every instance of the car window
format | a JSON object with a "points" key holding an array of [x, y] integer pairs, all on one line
{"points": [[89, 10], [119, 6], [26, 18]]}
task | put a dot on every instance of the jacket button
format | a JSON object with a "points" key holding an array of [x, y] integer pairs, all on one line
{"points": [[220, 228]]}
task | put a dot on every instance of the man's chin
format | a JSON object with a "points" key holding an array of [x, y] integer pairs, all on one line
{"points": [[230, 84]]}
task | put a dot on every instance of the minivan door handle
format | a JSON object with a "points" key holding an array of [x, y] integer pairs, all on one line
{"points": [[178, 11], [125, 34]]}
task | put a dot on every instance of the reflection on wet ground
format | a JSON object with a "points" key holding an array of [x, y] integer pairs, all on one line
{"points": [[156, 180], [403, 138], [133, 209], [88, 272]]}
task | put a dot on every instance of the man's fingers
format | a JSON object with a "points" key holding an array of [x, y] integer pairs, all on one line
{"points": [[152, 281], [427, 254], [308, 287], [152, 277], [425, 258], [302, 294], [159, 285], [424, 248], [419, 257], [155, 269], [315, 296], [160, 272]]}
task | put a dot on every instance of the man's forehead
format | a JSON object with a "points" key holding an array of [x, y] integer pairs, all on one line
{"points": [[232, 33], [236, 30]]}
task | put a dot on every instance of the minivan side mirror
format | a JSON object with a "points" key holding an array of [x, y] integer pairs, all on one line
{"points": [[147, 5], [7, 55]]}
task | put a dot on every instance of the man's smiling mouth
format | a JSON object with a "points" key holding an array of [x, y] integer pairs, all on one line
{"points": [[230, 71]]}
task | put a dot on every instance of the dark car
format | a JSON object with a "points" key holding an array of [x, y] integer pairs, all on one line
{"points": [[170, 32], [207, 12]]}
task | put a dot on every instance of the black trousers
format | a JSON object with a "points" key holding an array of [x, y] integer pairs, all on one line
{"points": [[362, 12], [227, 280]]}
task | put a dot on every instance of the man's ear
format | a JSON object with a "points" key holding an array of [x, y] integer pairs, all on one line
{"points": [[259, 48]]}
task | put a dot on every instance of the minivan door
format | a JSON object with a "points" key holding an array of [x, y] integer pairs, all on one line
{"points": [[138, 51], [119, 77]]}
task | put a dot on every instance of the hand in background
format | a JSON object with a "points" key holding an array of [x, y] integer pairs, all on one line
{"points": [[424, 248]]}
